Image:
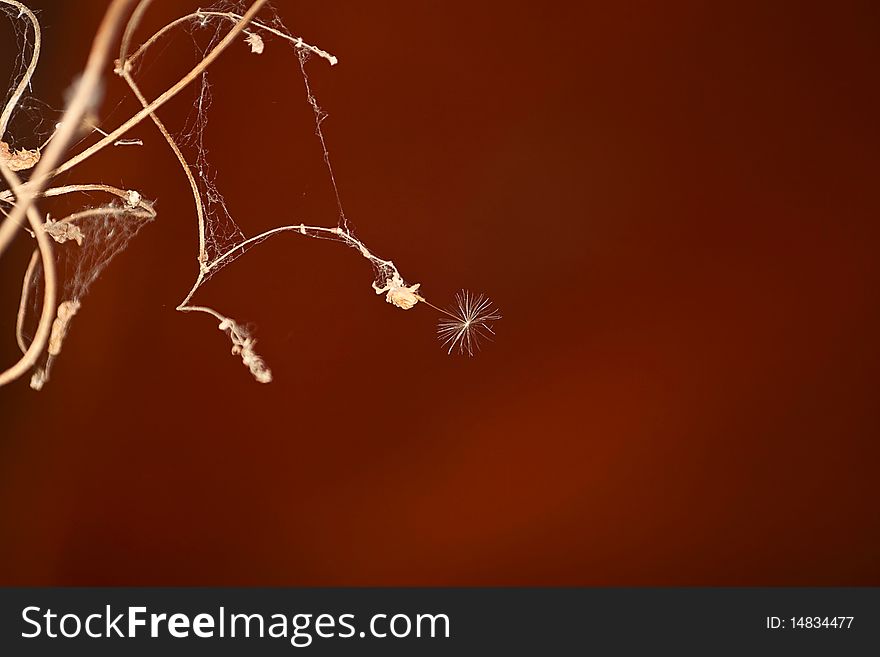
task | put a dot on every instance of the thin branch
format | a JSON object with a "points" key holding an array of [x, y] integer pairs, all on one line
{"points": [[265, 235], [231, 16], [125, 194], [105, 211], [337, 233], [132, 25]]}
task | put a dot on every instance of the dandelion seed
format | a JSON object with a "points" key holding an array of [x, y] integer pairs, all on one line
{"points": [[469, 323]]}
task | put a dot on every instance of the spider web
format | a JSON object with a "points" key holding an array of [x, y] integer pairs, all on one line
{"points": [[225, 241], [221, 231], [105, 234], [87, 241]]}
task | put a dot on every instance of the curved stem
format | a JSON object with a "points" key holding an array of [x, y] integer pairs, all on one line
{"points": [[339, 234], [44, 244], [197, 198], [202, 309], [29, 73], [124, 194], [105, 212], [262, 236], [132, 25], [25, 295], [215, 264]]}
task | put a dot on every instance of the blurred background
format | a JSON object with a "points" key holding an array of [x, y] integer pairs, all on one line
{"points": [[674, 205]]}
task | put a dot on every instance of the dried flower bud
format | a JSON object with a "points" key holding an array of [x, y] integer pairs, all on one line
{"points": [[255, 41], [398, 293], [403, 297]]}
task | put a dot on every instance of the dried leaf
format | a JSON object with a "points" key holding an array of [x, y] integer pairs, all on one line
{"points": [[66, 311], [62, 231], [19, 160]]}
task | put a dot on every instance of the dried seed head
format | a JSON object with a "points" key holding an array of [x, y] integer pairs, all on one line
{"points": [[243, 345]]}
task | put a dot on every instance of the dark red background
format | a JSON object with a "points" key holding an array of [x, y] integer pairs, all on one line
{"points": [[674, 205]]}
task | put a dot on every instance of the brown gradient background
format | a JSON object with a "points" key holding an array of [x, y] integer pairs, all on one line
{"points": [[674, 205]]}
